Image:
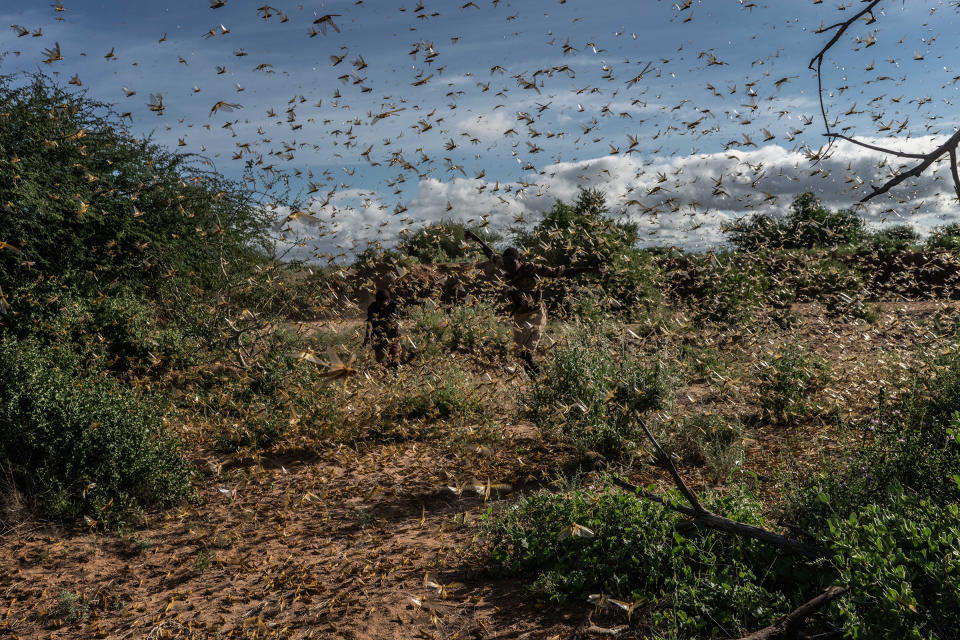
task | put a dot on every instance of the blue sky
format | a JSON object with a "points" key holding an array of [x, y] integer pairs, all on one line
{"points": [[493, 110]]}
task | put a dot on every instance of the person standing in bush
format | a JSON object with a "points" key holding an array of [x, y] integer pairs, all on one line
{"points": [[383, 328], [522, 289]]}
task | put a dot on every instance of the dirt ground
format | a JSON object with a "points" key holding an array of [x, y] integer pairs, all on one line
{"points": [[371, 542]]}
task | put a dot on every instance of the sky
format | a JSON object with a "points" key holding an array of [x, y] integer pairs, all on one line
{"points": [[379, 116]]}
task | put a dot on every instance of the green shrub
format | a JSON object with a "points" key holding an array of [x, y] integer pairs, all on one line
{"points": [[731, 288], [808, 225], [590, 390], [256, 411], [892, 239], [708, 440], [699, 584], [86, 202], [441, 395], [911, 443], [901, 565], [945, 237], [445, 241], [585, 234], [83, 442], [473, 328], [788, 382]]}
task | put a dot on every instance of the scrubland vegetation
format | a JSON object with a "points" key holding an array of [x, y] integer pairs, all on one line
{"points": [[194, 420]]}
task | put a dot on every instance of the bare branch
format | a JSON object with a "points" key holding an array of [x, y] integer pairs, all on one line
{"points": [[841, 28], [706, 518], [677, 480], [899, 154], [953, 170], [926, 159], [788, 627], [948, 147]]}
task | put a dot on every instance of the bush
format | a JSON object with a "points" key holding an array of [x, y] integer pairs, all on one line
{"points": [[700, 584], [708, 440], [808, 225], [911, 443], [589, 393], [437, 396], [445, 241], [82, 442], [787, 383], [584, 234], [731, 288], [472, 328], [945, 237], [892, 239], [86, 203], [901, 565]]}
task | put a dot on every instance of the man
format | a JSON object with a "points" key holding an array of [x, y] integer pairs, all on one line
{"points": [[522, 280], [383, 329]]}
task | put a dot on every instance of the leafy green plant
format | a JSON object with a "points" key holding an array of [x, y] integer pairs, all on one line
{"points": [[708, 440], [696, 584], [71, 607], [731, 287], [945, 237], [901, 565], [808, 224], [442, 395], [83, 442], [590, 392], [788, 382], [892, 239], [444, 241]]}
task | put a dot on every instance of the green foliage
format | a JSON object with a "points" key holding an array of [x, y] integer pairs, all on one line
{"points": [[83, 442], [708, 440], [442, 395], [472, 327], [732, 286], [590, 390], [699, 584], [912, 443], [901, 565], [445, 241], [892, 239], [945, 237], [808, 225], [71, 607], [83, 202], [255, 411], [788, 382], [583, 234]]}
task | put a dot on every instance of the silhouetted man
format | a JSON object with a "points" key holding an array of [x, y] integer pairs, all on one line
{"points": [[522, 288], [383, 328]]}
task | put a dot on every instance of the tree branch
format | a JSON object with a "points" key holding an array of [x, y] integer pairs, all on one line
{"points": [[948, 147], [926, 159], [899, 154], [841, 28], [708, 519], [788, 627]]}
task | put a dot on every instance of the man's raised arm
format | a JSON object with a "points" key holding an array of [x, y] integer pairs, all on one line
{"points": [[483, 245]]}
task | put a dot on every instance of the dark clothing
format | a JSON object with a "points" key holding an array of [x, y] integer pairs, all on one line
{"points": [[387, 350], [383, 316], [384, 319], [523, 285]]}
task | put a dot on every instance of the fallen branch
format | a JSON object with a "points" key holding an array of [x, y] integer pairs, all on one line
{"points": [[712, 520], [788, 627]]}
